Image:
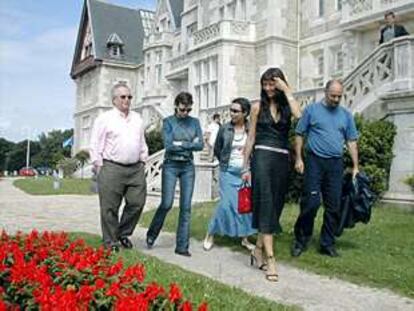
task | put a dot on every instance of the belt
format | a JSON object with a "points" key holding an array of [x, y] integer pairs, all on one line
{"points": [[280, 150], [123, 164]]}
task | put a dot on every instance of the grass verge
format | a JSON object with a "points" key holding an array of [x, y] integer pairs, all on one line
{"points": [[44, 186], [195, 287], [379, 254]]}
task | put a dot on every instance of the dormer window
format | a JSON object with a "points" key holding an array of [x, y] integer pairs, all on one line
{"points": [[115, 46]]}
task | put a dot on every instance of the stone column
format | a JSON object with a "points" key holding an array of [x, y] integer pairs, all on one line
{"points": [[401, 112], [206, 181], [349, 51]]}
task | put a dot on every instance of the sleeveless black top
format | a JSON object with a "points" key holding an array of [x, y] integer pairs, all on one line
{"points": [[272, 134]]}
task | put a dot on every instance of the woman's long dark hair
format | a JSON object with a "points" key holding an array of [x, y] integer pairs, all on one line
{"points": [[279, 98]]}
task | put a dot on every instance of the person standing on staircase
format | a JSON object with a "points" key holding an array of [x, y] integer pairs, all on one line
{"points": [[391, 30], [182, 136], [118, 153]]}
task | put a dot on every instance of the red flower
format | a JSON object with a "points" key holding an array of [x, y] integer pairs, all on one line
{"points": [[2, 305], [135, 272], [175, 293], [203, 307], [115, 269], [186, 306], [99, 283], [152, 291]]}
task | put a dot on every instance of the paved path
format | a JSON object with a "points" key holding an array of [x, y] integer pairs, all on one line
{"points": [[19, 211]]}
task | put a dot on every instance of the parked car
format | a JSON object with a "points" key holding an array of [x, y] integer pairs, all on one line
{"points": [[44, 170], [27, 171]]}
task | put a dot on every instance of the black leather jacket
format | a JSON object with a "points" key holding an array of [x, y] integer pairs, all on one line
{"points": [[224, 141]]}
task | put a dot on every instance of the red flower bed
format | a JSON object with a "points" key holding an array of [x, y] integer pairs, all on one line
{"points": [[45, 271]]}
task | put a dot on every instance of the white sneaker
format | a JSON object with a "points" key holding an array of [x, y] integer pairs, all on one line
{"points": [[208, 242], [245, 243]]}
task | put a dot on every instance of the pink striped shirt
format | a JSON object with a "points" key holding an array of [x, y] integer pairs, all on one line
{"points": [[118, 138]]}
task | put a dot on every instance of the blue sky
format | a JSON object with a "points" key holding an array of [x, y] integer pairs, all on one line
{"points": [[37, 39]]}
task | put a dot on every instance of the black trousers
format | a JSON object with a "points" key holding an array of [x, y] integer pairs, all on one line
{"points": [[323, 179]]}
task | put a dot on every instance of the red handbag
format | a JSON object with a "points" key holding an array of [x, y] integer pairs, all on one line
{"points": [[245, 199]]}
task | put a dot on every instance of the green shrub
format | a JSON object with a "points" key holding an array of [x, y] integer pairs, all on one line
{"points": [[375, 143], [375, 150], [410, 181], [68, 165], [154, 141]]}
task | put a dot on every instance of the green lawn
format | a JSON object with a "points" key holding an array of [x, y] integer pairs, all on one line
{"points": [[379, 254], [44, 186], [195, 287]]}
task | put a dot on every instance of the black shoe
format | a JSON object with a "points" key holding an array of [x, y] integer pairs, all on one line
{"points": [[329, 251], [125, 242], [297, 249], [150, 242], [183, 253]]}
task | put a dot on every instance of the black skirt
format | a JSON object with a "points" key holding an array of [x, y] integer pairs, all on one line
{"points": [[270, 176]]}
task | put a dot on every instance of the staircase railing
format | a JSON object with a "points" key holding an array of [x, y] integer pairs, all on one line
{"points": [[389, 68], [153, 171]]}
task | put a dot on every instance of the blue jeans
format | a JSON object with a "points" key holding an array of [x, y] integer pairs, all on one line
{"points": [[323, 178], [185, 172]]}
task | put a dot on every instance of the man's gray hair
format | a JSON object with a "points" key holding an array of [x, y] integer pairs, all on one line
{"points": [[117, 86]]}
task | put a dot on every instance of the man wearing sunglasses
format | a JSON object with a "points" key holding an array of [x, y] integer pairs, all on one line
{"points": [[118, 152]]}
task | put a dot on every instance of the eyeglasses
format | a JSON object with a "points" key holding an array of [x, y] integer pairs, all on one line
{"points": [[235, 110], [125, 97], [185, 109]]}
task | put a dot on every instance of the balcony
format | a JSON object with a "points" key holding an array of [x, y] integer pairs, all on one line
{"points": [[223, 30], [177, 66], [356, 10], [158, 39]]}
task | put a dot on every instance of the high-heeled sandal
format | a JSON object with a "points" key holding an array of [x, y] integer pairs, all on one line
{"points": [[271, 277], [257, 260]]}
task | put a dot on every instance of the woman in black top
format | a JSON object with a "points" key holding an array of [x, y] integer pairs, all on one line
{"points": [[268, 144]]}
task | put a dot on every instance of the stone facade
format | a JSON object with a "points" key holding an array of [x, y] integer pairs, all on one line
{"points": [[217, 50]]}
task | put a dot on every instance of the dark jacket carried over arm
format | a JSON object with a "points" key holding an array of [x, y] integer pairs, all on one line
{"points": [[356, 203]]}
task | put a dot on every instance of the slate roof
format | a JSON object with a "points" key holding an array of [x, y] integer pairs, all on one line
{"points": [[177, 7], [107, 19]]}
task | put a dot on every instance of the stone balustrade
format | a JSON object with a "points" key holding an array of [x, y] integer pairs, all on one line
{"points": [[355, 9], [178, 62], [158, 38], [153, 171], [389, 68], [223, 30]]}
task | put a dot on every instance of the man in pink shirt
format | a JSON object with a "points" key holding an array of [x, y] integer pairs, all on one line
{"points": [[118, 152]]}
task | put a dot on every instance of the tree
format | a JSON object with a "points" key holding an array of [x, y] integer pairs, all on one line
{"points": [[82, 156], [51, 150], [16, 157], [5, 147]]}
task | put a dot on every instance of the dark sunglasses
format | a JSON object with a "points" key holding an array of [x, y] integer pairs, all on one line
{"points": [[185, 109], [125, 97], [235, 110]]}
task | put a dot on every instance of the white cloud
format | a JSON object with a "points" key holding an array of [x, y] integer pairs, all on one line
{"points": [[35, 88]]}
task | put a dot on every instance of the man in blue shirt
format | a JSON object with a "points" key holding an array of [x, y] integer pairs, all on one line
{"points": [[327, 126]]}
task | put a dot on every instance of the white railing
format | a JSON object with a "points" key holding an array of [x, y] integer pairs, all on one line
{"points": [[178, 62], [354, 9], [153, 171], [156, 38], [223, 30], [305, 97], [389, 68]]}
